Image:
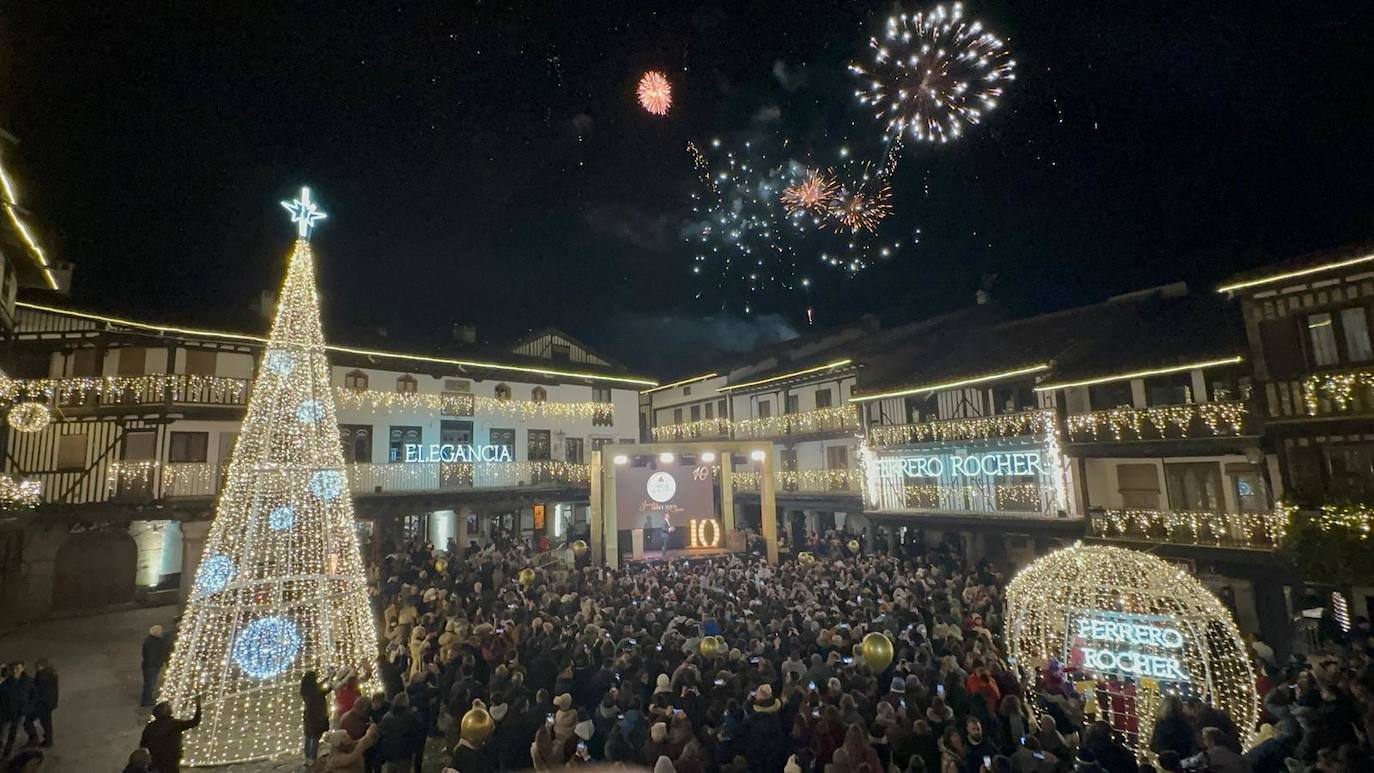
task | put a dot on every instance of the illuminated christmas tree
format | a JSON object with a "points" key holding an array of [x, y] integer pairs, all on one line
{"points": [[281, 588]]}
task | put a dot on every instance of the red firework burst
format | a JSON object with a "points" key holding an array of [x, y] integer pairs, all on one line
{"points": [[655, 92], [811, 194]]}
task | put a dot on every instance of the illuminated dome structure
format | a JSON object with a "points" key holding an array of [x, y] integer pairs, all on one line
{"points": [[1127, 628]]}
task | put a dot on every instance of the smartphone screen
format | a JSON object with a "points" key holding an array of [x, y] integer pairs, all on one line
{"points": [[549, 718], [940, 690], [987, 762], [720, 682]]}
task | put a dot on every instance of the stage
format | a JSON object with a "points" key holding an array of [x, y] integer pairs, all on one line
{"points": [[687, 554]]}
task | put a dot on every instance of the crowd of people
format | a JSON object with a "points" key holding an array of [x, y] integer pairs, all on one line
{"points": [[27, 703], [496, 665], [588, 666]]}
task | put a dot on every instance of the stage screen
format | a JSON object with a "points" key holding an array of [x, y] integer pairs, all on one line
{"points": [[645, 495]]}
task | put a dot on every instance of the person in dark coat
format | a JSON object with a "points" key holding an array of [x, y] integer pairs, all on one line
{"points": [[765, 732], [44, 701], [316, 718], [154, 658], [16, 701], [400, 735], [162, 737], [9, 710], [1173, 732]]}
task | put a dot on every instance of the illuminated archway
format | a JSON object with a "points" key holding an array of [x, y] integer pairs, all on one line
{"points": [[1129, 628]]}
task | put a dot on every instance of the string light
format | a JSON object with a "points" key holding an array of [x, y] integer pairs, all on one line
{"points": [[835, 419], [276, 596], [842, 479], [683, 382], [792, 374], [979, 498], [1236, 360], [12, 208], [691, 430], [459, 404], [981, 428], [154, 388], [1221, 417], [1252, 529], [1352, 518], [16, 494], [1097, 582], [29, 417], [1295, 274], [1339, 388], [963, 382]]}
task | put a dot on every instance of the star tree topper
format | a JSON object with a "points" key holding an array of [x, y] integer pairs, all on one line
{"points": [[304, 213]]}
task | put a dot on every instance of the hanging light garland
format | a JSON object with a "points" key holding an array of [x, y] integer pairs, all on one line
{"points": [[1357, 519], [837, 480], [17, 494], [1036, 422], [154, 388], [29, 416], [1263, 530], [1105, 613], [1338, 388], [840, 418], [1219, 418], [979, 498], [692, 430], [460, 404]]}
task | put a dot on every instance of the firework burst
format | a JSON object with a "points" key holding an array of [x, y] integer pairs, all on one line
{"points": [[655, 92], [861, 203], [809, 195], [933, 73]]}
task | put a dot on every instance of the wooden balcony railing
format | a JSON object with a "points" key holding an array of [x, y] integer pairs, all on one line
{"points": [[1159, 423], [1248, 530], [106, 391]]}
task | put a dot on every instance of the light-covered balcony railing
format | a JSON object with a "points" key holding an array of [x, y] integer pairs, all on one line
{"points": [[1349, 393], [1248, 530], [151, 389], [1220, 419], [464, 404], [1025, 423], [841, 418], [152, 480], [840, 481], [701, 429]]}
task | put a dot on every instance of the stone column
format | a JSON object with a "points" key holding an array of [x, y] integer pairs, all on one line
{"points": [[461, 530], [193, 534], [148, 536]]}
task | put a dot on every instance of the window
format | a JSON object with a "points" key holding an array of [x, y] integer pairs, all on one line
{"points": [[1355, 328], [502, 391], [1281, 341], [1138, 485], [71, 452], [686, 391], [201, 362], [601, 395], [1013, 398], [407, 384], [792, 404], [457, 433], [357, 443], [457, 385], [677, 415], [139, 446], [1227, 384], [189, 448], [1321, 339], [84, 363], [537, 445], [787, 459], [399, 438], [456, 404], [918, 409], [696, 413], [710, 410], [837, 458], [765, 409], [133, 361], [1352, 471], [539, 395], [504, 438], [823, 398], [1171, 389], [1252, 496], [1112, 394], [573, 447], [603, 418], [1194, 486], [560, 352], [721, 410], [599, 443], [355, 379]]}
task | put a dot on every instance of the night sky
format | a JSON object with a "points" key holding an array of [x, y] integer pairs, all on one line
{"points": [[487, 162]]}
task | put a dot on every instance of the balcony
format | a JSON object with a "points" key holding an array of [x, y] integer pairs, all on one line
{"points": [[1248, 530], [1023, 424], [151, 480], [1350, 393], [838, 481], [841, 419], [1163, 422], [465, 404], [74, 393], [702, 429]]}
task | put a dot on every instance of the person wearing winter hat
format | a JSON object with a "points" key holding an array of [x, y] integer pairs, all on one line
{"points": [[564, 719], [663, 684], [344, 754], [792, 765], [657, 745], [664, 765]]}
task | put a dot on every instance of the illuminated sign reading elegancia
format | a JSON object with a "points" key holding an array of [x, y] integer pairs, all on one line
{"points": [[991, 464], [1128, 645], [451, 452]]}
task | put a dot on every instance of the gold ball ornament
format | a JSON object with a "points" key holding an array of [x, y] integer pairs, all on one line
{"points": [[441, 565], [710, 646], [477, 724], [853, 546], [526, 577], [877, 650], [805, 559], [580, 548], [29, 417]]}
